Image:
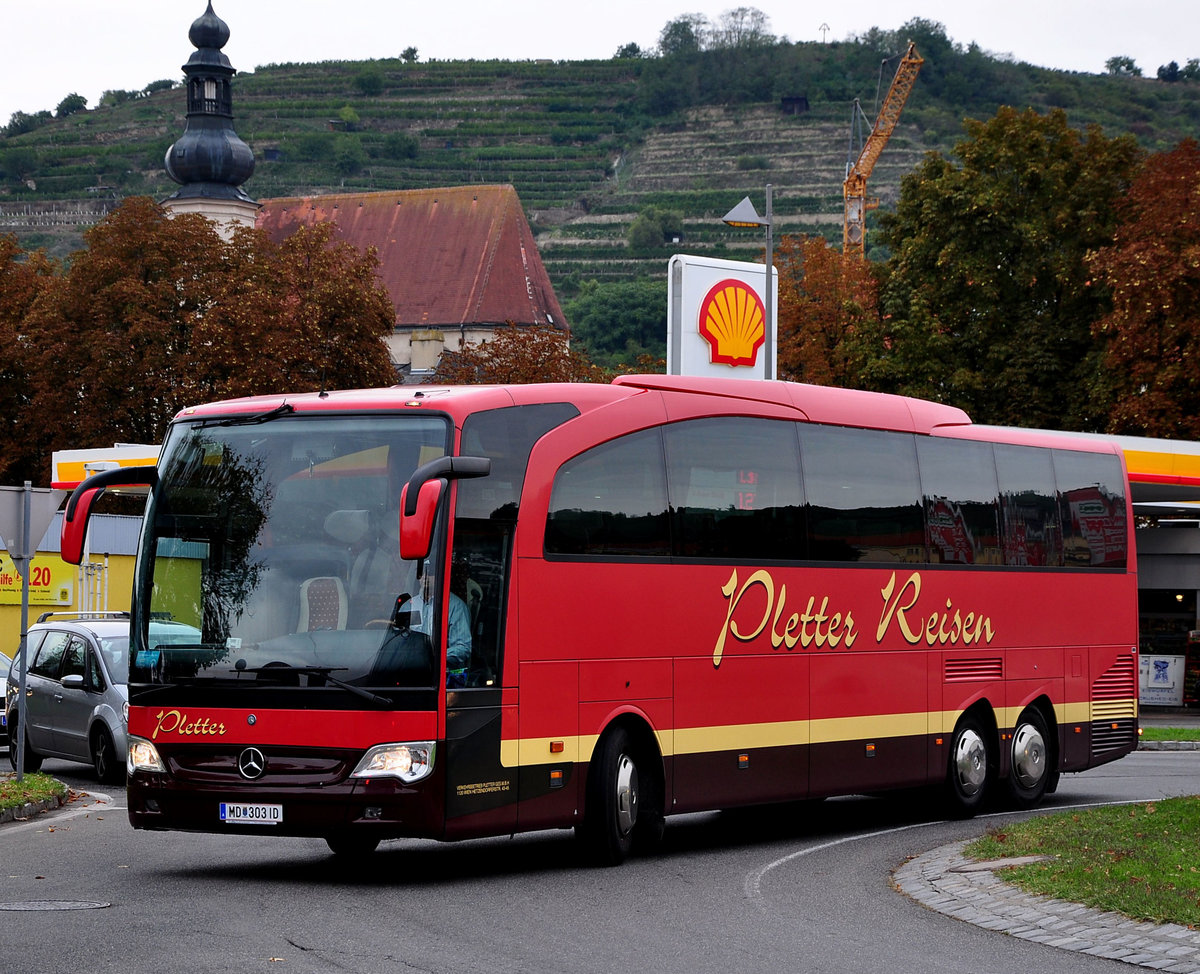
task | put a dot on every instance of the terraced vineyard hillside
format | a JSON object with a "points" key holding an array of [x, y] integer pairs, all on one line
{"points": [[582, 142]]}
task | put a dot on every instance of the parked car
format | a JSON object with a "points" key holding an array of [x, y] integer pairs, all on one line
{"points": [[76, 696], [5, 666]]}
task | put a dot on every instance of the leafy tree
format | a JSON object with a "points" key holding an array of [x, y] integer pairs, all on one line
{"points": [[518, 355], [1122, 66], [618, 323], [70, 105], [349, 156], [1169, 72], [652, 228], [400, 145], [1191, 70], [684, 36], [629, 50], [827, 307], [370, 80], [116, 96], [1151, 338], [988, 301], [19, 122], [158, 313], [742, 27], [24, 279], [409, 55], [163, 84]]}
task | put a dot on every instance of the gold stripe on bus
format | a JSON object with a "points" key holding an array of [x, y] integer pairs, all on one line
{"points": [[793, 733]]}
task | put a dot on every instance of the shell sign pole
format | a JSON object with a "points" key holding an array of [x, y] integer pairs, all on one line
{"points": [[717, 318]]}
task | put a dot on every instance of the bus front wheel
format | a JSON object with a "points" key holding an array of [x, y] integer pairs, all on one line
{"points": [[1029, 770], [968, 772], [613, 800]]}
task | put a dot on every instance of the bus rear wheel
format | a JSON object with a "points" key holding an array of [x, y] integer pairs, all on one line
{"points": [[614, 797], [1030, 766], [969, 769]]}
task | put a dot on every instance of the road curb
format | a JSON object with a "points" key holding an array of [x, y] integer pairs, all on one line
{"points": [[27, 811], [945, 881], [1168, 745]]}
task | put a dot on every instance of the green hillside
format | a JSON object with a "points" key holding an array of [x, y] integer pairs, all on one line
{"points": [[588, 145]]}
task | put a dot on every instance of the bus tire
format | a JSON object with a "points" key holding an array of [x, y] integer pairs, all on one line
{"points": [[613, 802], [969, 767], [33, 760], [1031, 760], [351, 846]]}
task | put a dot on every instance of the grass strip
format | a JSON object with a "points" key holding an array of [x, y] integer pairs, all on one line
{"points": [[33, 788], [1139, 860], [1170, 733]]}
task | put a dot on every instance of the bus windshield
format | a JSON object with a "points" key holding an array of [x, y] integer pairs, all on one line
{"points": [[276, 538]]}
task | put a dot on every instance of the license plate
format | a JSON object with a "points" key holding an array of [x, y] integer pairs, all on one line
{"points": [[241, 813]]}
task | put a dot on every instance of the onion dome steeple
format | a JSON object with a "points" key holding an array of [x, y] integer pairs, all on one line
{"points": [[209, 161]]}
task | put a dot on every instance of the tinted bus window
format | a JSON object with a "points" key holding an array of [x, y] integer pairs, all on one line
{"points": [[962, 502], [1091, 500], [506, 436], [735, 489], [863, 493], [611, 500], [1028, 505]]}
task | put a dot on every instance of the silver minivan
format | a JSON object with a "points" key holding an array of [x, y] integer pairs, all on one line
{"points": [[76, 696]]}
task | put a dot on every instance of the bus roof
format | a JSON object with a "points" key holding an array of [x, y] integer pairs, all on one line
{"points": [[818, 404]]}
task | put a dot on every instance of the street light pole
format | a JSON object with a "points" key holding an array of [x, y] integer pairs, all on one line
{"points": [[745, 215]]}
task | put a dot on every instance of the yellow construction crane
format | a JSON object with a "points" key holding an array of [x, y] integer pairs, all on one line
{"points": [[854, 189]]}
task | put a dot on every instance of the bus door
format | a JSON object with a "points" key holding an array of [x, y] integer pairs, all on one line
{"points": [[481, 793]]}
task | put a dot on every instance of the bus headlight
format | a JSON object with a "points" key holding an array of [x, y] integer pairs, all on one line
{"points": [[143, 756], [408, 762]]}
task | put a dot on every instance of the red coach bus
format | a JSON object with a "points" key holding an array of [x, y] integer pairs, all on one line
{"points": [[458, 612]]}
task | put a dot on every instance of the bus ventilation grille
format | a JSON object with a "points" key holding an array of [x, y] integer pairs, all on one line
{"points": [[1114, 708], [974, 670]]}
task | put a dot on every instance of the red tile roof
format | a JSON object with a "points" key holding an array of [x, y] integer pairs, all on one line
{"points": [[448, 257]]}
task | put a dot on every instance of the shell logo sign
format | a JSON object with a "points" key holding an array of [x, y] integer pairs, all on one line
{"points": [[733, 322], [717, 322]]}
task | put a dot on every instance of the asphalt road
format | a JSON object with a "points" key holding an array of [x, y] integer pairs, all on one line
{"points": [[800, 889]]}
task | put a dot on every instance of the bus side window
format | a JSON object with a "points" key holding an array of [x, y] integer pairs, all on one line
{"points": [[1032, 531], [962, 501], [863, 493], [611, 500], [735, 488], [1091, 502]]}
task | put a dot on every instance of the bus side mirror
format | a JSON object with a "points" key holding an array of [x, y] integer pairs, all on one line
{"points": [[416, 529], [422, 495], [75, 525], [83, 497]]}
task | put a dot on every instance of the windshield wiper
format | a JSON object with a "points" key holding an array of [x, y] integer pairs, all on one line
{"points": [[281, 410], [323, 672]]}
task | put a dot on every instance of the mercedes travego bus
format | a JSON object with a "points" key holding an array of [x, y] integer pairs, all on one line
{"points": [[457, 612]]}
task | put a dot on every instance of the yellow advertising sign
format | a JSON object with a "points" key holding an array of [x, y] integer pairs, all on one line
{"points": [[51, 581]]}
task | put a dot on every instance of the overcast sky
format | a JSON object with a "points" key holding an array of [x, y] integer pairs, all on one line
{"points": [[56, 47]]}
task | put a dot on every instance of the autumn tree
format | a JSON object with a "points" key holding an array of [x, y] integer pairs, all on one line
{"points": [[988, 301], [1151, 338], [518, 355], [827, 305], [23, 281], [159, 313]]}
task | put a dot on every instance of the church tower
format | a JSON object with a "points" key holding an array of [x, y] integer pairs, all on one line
{"points": [[209, 161]]}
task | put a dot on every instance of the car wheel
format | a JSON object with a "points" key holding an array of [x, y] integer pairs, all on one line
{"points": [[33, 760], [109, 769]]}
